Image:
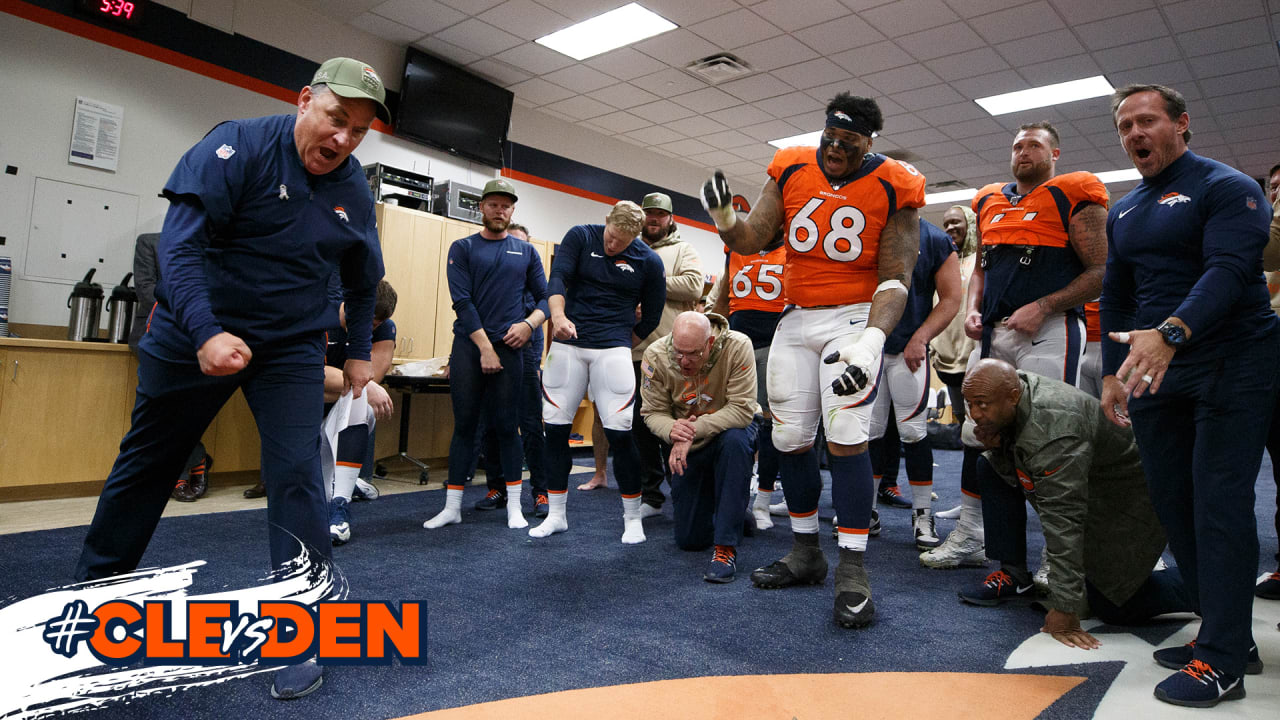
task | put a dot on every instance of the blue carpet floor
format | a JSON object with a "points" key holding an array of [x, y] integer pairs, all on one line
{"points": [[510, 616]]}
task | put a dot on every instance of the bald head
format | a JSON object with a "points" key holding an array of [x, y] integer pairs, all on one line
{"points": [[691, 340], [992, 390]]}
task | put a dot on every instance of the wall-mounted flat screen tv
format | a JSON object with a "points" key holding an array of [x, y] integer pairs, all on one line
{"points": [[448, 108]]}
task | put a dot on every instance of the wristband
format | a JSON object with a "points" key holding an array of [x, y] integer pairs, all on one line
{"points": [[531, 327]]}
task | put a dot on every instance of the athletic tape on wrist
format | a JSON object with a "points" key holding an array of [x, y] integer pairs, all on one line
{"points": [[890, 285]]}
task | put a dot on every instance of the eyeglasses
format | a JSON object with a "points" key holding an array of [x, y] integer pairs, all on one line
{"points": [[695, 355]]}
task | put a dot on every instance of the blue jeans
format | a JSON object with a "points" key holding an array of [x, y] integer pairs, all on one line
{"points": [[710, 499]]}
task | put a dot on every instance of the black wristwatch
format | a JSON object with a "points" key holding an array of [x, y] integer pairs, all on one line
{"points": [[1174, 336]]}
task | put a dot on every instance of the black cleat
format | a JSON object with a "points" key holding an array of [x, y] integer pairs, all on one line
{"points": [[854, 610], [804, 565]]}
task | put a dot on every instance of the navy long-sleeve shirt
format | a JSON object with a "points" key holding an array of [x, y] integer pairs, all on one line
{"points": [[489, 281], [251, 239], [601, 291], [1188, 243]]}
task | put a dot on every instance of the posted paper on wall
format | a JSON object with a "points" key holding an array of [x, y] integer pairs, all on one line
{"points": [[95, 134]]}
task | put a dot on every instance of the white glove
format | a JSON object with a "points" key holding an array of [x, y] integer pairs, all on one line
{"points": [[860, 356], [718, 200]]}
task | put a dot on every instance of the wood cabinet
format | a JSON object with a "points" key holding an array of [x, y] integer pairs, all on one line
{"points": [[411, 254]]}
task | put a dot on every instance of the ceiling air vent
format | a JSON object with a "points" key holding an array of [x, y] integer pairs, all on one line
{"points": [[718, 68]]}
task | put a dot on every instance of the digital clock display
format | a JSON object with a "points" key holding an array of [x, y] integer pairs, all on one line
{"points": [[125, 12]]}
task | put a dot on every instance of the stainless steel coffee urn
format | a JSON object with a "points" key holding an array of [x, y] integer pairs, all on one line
{"points": [[86, 307], [120, 308]]}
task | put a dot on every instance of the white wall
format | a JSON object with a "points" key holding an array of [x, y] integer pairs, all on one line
{"points": [[167, 109]]}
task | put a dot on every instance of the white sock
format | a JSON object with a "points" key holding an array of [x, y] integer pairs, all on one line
{"points": [[515, 516], [805, 524], [344, 480], [850, 540], [970, 515], [452, 512], [632, 528], [557, 519], [922, 496], [764, 498]]}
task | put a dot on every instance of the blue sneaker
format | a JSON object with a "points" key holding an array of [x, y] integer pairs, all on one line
{"points": [[724, 563], [339, 521], [1199, 685], [999, 587], [1175, 658], [295, 681], [364, 490]]}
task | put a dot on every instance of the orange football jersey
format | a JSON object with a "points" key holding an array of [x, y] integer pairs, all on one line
{"points": [[755, 281], [833, 233], [1092, 322], [1041, 217]]}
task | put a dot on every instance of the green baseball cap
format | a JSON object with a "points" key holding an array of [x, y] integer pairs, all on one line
{"points": [[354, 79], [656, 200], [499, 186]]}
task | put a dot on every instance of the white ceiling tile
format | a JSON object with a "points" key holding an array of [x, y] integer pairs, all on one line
{"points": [[900, 123], [1060, 70], [1220, 37], [824, 93], [685, 13], [1038, 48], [662, 111], [669, 82], [740, 116], [1094, 125], [887, 106], [746, 168], [575, 9], [908, 16], [426, 16], [758, 151], [580, 107], [714, 158], [558, 115], [908, 77], [624, 63], [684, 148], [1268, 98], [791, 104], [819, 71], [580, 78], [873, 58], [478, 36], [1191, 15], [446, 50], [594, 127], [923, 136], [471, 6], [695, 126], [706, 100], [540, 91], [1143, 25], [838, 35], [621, 122], [958, 112], [775, 52], [1083, 11], [1251, 134], [968, 64], [1138, 54], [389, 30], [736, 28], [974, 8], [654, 134], [677, 47], [1017, 22], [949, 40], [982, 143], [630, 140], [771, 130], [1242, 82], [756, 87], [970, 128], [534, 58], [727, 139], [525, 18], [623, 95], [1248, 58], [1082, 109], [498, 72], [807, 122], [927, 97], [791, 15], [957, 161]]}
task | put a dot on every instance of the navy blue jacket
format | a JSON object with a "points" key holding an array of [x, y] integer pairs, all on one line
{"points": [[601, 292], [935, 247], [1188, 243], [251, 239]]}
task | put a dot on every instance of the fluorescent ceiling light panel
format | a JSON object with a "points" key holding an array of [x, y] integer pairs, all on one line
{"points": [[602, 33], [950, 196], [1115, 176], [809, 139], [1057, 94]]}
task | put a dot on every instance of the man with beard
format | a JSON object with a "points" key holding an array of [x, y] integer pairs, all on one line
{"points": [[684, 287], [489, 274], [1042, 252]]}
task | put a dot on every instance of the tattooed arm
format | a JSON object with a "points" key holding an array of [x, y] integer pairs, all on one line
{"points": [[899, 246], [761, 225]]}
